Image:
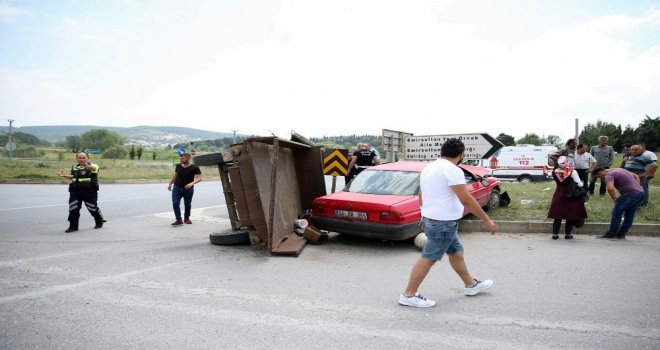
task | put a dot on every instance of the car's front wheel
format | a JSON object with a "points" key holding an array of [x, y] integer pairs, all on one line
{"points": [[494, 200]]}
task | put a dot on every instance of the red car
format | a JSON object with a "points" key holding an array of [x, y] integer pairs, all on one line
{"points": [[382, 202]]}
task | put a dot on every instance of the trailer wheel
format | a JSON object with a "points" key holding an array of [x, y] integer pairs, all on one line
{"points": [[230, 237]]}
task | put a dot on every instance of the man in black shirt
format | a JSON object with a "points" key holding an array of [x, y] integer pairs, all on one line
{"points": [[363, 157], [182, 185]]}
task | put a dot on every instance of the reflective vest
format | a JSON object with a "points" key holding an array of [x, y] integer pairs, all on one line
{"points": [[84, 178]]}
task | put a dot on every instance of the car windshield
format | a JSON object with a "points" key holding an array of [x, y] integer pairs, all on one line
{"points": [[385, 182]]}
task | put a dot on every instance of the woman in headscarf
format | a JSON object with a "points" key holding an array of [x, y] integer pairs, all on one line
{"points": [[562, 208]]}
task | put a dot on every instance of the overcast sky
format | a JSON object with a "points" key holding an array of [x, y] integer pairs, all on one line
{"points": [[325, 68]]}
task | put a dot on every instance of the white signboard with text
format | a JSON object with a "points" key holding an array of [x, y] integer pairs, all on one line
{"points": [[427, 147]]}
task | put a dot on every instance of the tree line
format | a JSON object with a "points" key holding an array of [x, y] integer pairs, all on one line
{"points": [[114, 146], [648, 132]]}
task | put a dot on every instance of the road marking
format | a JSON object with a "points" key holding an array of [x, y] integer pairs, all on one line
{"points": [[96, 280], [23, 261], [67, 204], [196, 214]]}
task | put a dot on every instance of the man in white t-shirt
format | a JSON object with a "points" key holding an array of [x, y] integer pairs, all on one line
{"points": [[442, 196]]}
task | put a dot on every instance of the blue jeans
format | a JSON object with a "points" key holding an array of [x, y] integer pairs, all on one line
{"points": [[187, 195], [625, 205], [441, 238]]}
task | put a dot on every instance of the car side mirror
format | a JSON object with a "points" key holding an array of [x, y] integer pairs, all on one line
{"points": [[485, 182]]}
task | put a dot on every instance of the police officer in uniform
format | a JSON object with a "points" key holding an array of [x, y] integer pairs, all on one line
{"points": [[84, 187]]}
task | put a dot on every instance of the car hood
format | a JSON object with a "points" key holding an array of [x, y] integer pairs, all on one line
{"points": [[479, 171]]}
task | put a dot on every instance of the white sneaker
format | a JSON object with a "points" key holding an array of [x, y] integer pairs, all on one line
{"points": [[478, 287], [416, 300]]}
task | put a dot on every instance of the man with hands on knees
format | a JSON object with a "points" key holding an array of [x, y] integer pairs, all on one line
{"points": [[443, 196]]}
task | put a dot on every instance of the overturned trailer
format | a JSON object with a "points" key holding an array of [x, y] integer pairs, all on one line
{"points": [[268, 184]]}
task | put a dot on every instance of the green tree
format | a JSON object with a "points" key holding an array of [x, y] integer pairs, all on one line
{"points": [[101, 139], [139, 151], [628, 136], [29, 152], [531, 139], [115, 152], [591, 132], [131, 152], [649, 133], [153, 156], [74, 143], [507, 140], [554, 140]]}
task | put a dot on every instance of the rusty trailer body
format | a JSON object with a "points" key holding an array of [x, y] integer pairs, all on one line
{"points": [[271, 182]]}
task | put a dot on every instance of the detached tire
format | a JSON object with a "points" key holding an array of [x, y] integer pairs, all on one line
{"points": [[208, 159], [230, 238]]}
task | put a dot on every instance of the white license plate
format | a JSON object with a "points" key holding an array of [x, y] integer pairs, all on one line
{"points": [[351, 214]]}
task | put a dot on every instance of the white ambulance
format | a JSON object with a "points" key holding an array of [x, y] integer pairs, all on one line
{"points": [[523, 163]]}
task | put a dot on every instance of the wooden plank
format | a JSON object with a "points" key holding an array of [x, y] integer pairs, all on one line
{"points": [[286, 197], [309, 174], [292, 244], [260, 160], [259, 231], [239, 195]]}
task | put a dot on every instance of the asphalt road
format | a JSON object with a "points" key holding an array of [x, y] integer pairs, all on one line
{"points": [[139, 283]]}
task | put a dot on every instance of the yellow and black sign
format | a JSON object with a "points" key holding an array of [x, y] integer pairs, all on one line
{"points": [[335, 162]]}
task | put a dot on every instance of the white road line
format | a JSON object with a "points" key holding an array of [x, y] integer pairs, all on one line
{"points": [[96, 280], [196, 214], [67, 204], [23, 261]]}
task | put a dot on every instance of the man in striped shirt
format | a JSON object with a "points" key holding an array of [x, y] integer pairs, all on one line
{"points": [[643, 166]]}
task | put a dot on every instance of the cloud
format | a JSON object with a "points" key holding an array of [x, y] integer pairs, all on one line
{"points": [[7, 11]]}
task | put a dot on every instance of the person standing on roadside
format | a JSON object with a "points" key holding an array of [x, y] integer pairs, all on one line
{"points": [[83, 188], [626, 204], [562, 208], [604, 155], [569, 148], [443, 196], [363, 158], [643, 166], [584, 163], [182, 185], [625, 154]]}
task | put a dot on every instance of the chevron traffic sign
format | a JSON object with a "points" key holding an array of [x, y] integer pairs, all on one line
{"points": [[335, 162]]}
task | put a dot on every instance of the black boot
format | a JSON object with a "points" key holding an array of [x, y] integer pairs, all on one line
{"points": [[99, 224], [73, 226]]}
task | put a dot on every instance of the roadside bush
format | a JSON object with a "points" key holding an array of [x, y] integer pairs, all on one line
{"points": [[29, 152], [115, 152]]}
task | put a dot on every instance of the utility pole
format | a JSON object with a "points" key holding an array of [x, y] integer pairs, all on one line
{"points": [[10, 145], [577, 139], [234, 135]]}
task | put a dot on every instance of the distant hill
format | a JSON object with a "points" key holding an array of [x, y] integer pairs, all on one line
{"points": [[151, 135]]}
